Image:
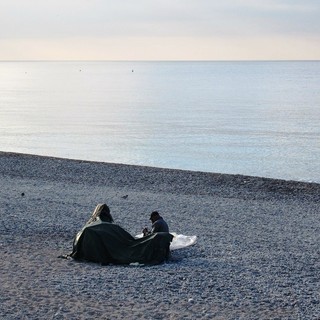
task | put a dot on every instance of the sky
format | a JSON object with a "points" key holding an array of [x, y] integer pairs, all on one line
{"points": [[159, 30]]}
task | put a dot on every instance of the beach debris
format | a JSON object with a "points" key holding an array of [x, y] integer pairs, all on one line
{"points": [[136, 264], [22, 194], [124, 197], [59, 312]]}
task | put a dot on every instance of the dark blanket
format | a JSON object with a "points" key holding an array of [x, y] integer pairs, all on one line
{"points": [[106, 243]]}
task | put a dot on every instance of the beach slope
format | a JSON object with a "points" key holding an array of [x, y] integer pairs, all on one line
{"points": [[257, 254]]}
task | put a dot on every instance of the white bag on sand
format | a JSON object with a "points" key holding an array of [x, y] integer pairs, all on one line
{"points": [[179, 241]]}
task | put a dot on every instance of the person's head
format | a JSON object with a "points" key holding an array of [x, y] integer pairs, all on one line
{"points": [[105, 214], [154, 216]]}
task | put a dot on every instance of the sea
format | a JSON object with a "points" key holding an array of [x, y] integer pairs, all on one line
{"points": [[257, 118]]}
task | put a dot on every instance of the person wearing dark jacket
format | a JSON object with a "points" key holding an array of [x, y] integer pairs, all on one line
{"points": [[158, 224]]}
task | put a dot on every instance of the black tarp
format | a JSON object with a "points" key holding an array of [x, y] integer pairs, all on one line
{"points": [[107, 243]]}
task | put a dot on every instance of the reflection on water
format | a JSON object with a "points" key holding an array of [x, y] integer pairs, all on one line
{"points": [[255, 118]]}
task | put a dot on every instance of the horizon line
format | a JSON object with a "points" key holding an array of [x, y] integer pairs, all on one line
{"points": [[160, 60]]}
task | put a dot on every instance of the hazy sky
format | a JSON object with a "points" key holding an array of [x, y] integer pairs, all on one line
{"points": [[159, 30]]}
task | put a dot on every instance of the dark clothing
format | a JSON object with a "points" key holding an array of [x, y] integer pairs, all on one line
{"points": [[159, 226], [106, 243]]}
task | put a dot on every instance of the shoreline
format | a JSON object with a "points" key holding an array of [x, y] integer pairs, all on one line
{"points": [[210, 182], [11, 153], [257, 254]]}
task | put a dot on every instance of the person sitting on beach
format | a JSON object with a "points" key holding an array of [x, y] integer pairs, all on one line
{"points": [[158, 224], [101, 211], [105, 214]]}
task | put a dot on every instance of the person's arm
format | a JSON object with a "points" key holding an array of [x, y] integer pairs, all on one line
{"points": [[145, 231], [156, 227]]}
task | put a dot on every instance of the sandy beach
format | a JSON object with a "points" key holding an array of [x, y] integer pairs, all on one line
{"points": [[257, 255]]}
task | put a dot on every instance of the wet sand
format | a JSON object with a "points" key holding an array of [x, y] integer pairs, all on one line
{"points": [[257, 255]]}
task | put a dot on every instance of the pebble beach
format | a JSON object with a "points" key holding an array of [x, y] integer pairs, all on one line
{"points": [[257, 255]]}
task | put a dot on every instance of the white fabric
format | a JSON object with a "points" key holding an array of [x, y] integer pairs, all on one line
{"points": [[179, 241]]}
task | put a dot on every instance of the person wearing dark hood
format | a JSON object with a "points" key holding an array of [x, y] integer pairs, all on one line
{"points": [[158, 224]]}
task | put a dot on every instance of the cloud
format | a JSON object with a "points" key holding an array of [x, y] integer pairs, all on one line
{"points": [[184, 22], [189, 17]]}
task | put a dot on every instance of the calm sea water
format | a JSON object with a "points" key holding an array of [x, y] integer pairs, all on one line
{"points": [[253, 118]]}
